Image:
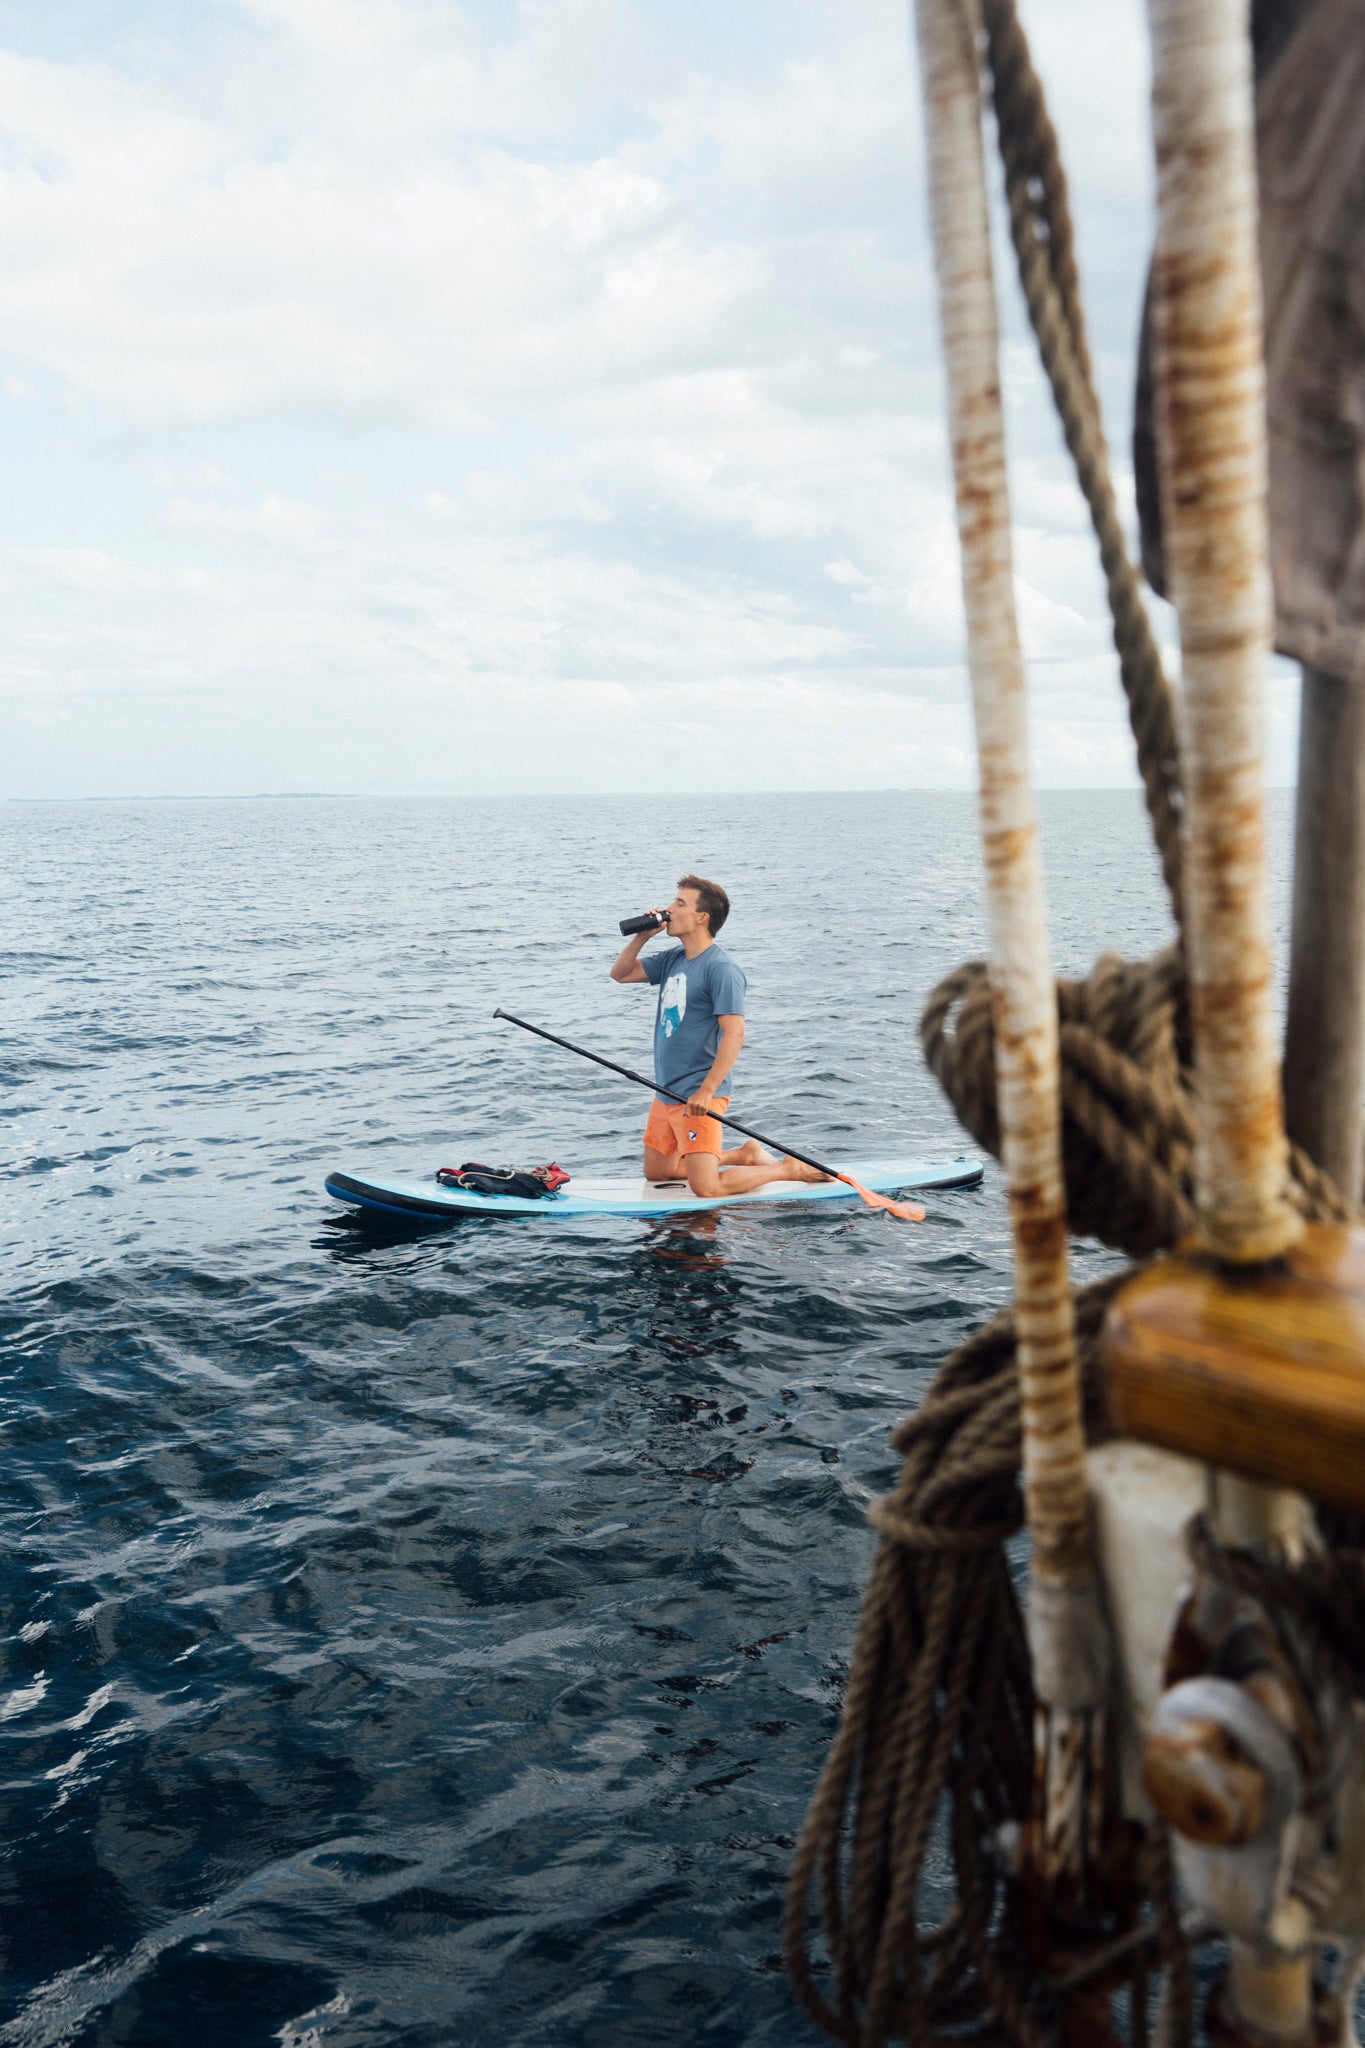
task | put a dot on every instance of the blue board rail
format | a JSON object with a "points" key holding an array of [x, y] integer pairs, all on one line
{"points": [[431, 1201]]}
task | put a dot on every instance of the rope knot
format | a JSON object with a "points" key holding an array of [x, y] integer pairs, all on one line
{"points": [[970, 1540]]}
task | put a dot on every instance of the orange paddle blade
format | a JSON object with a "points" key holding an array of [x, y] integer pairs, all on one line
{"points": [[909, 1212]]}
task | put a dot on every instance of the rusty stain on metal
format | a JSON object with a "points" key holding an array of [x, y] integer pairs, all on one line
{"points": [[1211, 440], [1063, 1630], [1204, 1785], [1021, 974]]}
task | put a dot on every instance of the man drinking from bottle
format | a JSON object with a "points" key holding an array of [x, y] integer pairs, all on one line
{"points": [[698, 1033]]}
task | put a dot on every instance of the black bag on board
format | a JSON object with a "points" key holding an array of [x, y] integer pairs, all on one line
{"points": [[531, 1183]]}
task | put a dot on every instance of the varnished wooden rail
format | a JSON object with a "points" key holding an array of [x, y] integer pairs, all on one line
{"points": [[1260, 1369]]}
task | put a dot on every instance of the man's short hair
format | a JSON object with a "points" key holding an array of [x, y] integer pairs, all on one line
{"points": [[711, 898]]}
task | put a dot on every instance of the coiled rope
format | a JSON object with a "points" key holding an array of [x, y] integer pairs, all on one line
{"points": [[939, 1695], [1128, 1117], [936, 1731]]}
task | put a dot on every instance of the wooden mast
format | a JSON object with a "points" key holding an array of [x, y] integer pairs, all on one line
{"points": [[1066, 1631]]}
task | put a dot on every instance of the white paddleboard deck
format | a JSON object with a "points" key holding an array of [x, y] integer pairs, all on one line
{"points": [[432, 1200]]}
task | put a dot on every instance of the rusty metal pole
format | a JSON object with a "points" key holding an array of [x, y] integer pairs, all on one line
{"points": [[1210, 393], [1067, 1634]]}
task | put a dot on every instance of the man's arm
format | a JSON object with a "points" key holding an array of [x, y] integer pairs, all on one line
{"points": [[727, 1052], [626, 966]]}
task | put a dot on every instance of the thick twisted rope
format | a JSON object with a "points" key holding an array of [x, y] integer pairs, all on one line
{"points": [[939, 1696], [1040, 226], [1128, 1112]]}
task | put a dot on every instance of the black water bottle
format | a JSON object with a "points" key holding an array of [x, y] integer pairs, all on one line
{"points": [[650, 921]]}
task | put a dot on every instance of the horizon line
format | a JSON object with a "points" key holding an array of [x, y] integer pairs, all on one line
{"points": [[255, 796]]}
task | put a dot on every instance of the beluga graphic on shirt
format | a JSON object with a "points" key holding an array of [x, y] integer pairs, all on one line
{"points": [[693, 996], [673, 1008]]}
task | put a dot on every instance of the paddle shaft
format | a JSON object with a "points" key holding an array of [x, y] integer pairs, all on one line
{"points": [[656, 1088]]}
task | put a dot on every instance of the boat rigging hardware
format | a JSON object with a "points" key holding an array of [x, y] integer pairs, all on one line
{"points": [[939, 1694], [1252, 1344]]}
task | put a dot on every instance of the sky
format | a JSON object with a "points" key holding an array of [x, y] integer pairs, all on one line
{"points": [[463, 396]]}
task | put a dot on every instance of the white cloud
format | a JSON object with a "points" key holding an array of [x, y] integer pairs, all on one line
{"points": [[413, 395]]}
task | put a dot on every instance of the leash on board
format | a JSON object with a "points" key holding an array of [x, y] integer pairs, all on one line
{"points": [[909, 1212]]}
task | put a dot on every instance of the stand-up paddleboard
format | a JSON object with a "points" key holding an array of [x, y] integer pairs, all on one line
{"points": [[433, 1201]]}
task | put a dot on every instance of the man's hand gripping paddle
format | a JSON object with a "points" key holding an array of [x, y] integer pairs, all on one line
{"points": [[909, 1212]]}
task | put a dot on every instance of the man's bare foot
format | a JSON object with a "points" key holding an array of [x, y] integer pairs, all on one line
{"points": [[751, 1153], [797, 1169]]}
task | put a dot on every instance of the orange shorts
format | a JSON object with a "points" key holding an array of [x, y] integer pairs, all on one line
{"points": [[670, 1129]]}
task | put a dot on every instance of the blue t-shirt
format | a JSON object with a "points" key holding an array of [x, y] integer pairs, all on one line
{"points": [[693, 994]]}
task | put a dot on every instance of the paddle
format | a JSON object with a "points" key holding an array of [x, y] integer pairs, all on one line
{"points": [[909, 1212]]}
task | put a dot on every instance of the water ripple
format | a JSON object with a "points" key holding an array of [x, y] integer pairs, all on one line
{"points": [[434, 1638]]}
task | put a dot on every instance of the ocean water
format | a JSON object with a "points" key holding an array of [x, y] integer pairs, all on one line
{"points": [[435, 1638]]}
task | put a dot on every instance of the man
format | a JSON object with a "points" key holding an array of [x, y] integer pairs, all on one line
{"points": [[698, 1032]]}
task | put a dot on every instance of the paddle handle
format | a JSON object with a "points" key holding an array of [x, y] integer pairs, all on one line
{"points": [[657, 1088]]}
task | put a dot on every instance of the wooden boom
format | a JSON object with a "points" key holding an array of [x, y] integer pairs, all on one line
{"points": [[1260, 1369]]}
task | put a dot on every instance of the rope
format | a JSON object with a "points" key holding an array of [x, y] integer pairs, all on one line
{"points": [[939, 1701], [1128, 1113], [1040, 226]]}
